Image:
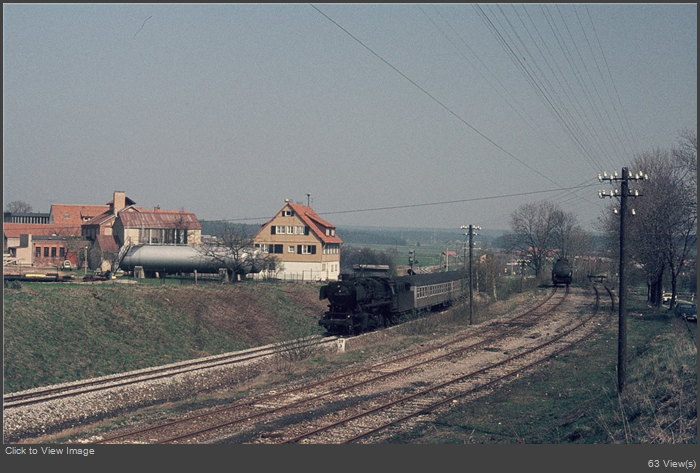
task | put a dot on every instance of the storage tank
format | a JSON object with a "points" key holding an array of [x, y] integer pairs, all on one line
{"points": [[188, 259], [562, 272]]}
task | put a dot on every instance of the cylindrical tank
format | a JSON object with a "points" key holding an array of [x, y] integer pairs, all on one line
{"points": [[562, 272], [188, 259]]}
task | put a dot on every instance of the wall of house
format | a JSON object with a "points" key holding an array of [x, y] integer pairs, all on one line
{"points": [[303, 272], [312, 263], [51, 253], [153, 235]]}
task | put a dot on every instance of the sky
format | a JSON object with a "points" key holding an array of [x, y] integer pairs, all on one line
{"points": [[398, 115]]}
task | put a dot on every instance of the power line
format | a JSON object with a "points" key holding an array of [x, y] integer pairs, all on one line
{"points": [[529, 120], [426, 204], [434, 98]]}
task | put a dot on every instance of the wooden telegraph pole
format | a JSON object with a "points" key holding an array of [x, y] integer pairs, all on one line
{"points": [[623, 193], [470, 233]]}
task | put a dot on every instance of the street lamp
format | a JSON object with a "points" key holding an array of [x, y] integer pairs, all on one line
{"points": [[85, 263]]}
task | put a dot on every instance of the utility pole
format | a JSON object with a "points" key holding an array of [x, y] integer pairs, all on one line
{"points": [[623, 193], [470, 233]]}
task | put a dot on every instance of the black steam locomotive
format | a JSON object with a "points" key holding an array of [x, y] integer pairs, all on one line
{"points": [[358, 304], [562, 272]]}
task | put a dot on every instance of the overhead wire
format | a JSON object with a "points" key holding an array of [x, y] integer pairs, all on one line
{"points": [[619, 113], [432, 97], [544, 88], [538, 79], [493, 79], [426, 204]]}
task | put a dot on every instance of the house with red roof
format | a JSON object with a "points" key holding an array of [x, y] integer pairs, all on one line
{"points": [[40, 244], [301, 245], [157, 227], [75, 232]]}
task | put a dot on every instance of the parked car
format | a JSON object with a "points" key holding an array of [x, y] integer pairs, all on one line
{"points": [[67, 265], [666, 297], [687, 310]]}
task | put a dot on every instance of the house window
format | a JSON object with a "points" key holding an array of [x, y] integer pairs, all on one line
{"points": [[281, 230], [270, 248], [53, 252], [62, 252], [306, 249], [46, 252], [299, 230], [38, 252], [290, 230], [288, 213], [290, 249]]}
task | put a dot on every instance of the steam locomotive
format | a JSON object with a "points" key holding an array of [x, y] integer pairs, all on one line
{"points": [[358, 304]]}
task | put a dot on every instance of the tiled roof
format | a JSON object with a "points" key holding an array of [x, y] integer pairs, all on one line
{"points": [[102, 218], [160, 219], [107, 243], [315, 223], [14, 230], [70, 214]]}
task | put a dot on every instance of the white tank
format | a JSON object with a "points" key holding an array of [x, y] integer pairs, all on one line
{"points": [[187, 259]]}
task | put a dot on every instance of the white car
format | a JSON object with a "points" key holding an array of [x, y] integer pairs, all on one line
{"points": [[666, 297]]}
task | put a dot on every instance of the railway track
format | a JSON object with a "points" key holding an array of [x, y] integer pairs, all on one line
{"points": [[381, 418], [35, 396], [280, 407]]}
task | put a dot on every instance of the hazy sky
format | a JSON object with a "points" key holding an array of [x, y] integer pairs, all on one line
{"points": [[441, 114]]}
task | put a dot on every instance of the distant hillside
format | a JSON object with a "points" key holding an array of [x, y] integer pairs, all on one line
{"points": [[358, 235], [218, 227], [408, 236]]}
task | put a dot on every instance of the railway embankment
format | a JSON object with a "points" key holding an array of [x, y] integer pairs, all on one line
{"points": [[62, 332]]}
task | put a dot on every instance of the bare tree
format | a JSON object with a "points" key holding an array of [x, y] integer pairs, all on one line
{"points": [[232, 250], [489, 273], [536, 231], [664, 229], [18, 207]]}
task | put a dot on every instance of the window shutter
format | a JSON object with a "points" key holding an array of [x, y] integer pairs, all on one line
{"points": [[298, 249], [273, 230], [313, 249], [306, 230]]}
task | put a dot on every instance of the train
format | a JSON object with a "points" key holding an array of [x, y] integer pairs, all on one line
{"points": [[358, 303], [562, 273]]}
